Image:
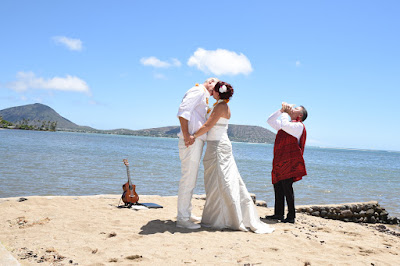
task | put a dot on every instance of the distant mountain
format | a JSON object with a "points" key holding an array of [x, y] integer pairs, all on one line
{"points": [[167, 132], [240, 133], [37, 111], [253, 134]]}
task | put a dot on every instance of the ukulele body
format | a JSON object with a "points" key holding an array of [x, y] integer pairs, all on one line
{"points": [[129, 195]]}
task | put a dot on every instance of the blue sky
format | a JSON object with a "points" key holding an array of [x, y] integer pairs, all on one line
{"points": [[127, 64]]}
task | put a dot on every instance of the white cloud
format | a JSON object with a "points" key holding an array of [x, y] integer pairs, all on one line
{"points": [[298, 63], [28, 80], [220, 62], [72, 44], [155, 62], [176, 62]]}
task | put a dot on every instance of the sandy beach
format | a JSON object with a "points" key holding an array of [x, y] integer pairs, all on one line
{"points": [[91, 230]]}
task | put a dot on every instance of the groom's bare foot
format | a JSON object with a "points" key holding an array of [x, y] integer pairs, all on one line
{"points": [[194, 218], [187, 225]]}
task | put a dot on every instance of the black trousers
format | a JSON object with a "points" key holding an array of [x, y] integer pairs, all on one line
{"points": [[284, 189]]}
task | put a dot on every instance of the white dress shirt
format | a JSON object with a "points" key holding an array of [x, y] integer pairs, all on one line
{"points": [[194, 108], [293, 128]]}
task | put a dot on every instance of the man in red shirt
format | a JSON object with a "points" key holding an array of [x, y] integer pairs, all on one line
{"points": [[288, 164]]}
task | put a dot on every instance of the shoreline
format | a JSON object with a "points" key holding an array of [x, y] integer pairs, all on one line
{"points": [[65, 230], [392, 209]]}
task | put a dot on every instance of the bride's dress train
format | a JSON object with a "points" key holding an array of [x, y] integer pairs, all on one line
{"points": [[228, 203]]}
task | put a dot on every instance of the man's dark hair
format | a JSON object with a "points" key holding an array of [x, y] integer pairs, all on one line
{"points": [[304, 113]]}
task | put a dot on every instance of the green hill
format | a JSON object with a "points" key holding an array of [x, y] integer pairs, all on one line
{"points": [[38, 112]]}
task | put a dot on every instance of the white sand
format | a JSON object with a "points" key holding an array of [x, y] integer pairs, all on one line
{"points": [[90, 230]]}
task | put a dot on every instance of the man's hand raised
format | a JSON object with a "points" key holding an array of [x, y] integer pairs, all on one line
{"points": [[287, 108]]}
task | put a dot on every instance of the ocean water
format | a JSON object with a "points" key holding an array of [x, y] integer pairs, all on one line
{"points": [[62, 163]]}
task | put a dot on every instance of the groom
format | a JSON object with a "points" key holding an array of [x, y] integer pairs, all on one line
{"points": [[288, 164], [192, 115]]}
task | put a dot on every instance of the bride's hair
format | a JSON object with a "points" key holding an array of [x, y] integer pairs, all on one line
{"points": [[224, 94]]}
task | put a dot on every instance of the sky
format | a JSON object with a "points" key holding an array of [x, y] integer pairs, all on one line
{"points": [[127, 64]]}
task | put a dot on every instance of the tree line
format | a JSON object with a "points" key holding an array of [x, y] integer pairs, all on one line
{"points": [[28, 124]]}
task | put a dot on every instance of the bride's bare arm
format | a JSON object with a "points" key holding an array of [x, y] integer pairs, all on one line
{"points": [[219, 110]]}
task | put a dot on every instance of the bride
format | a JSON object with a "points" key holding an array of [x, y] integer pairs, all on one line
{"points": [[228, 203]]}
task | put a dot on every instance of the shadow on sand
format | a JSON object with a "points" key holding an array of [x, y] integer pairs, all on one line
{"points": [[162, 226]]}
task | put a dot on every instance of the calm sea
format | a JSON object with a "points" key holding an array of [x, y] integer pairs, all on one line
{"points": [[61, 163]]}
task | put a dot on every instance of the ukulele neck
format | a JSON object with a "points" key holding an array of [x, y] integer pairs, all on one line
{"points": [[129, 176]]}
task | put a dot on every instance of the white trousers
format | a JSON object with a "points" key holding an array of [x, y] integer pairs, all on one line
{"points": [[190, 162]]}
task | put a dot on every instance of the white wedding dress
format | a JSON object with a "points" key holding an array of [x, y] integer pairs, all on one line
{"points": [[228, 203]]}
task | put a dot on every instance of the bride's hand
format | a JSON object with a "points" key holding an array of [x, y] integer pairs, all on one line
{"points": [[190, 141]]}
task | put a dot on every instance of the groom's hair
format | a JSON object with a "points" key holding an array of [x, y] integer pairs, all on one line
{"points": [[211, 79]]}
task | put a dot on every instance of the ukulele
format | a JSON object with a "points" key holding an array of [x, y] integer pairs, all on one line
{"points": [[129, 197]]}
